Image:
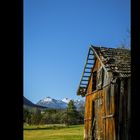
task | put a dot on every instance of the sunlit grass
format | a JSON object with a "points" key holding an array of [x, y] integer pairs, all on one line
{"points": [[54, 132]]}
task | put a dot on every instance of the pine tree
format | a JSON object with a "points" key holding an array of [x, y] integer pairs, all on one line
{"points": [[72, 113], [26, 116], [36, 116]]}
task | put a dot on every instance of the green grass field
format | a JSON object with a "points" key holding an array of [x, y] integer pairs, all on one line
{"points": [[55, 132]]}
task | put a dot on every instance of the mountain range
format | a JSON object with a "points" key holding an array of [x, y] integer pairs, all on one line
{"points": [[59, 104], [49, 102]]}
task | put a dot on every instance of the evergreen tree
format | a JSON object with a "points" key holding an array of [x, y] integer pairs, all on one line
{"points": [[72, 113], [36, 116], [26, 116]]}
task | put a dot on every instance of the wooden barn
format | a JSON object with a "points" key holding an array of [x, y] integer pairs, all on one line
{"points": [[106, 85]]}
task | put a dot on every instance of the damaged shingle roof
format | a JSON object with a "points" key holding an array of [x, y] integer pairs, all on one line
{"points": [[116, 60]]}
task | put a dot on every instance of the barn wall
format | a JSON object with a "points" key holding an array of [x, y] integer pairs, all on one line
{"points": [[113, 103], [88, 105], [88, 113], [106, 101], [123, 109], [105, 112], [109, 118]]}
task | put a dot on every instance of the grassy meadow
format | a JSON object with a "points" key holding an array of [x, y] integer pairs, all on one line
{"points": [[53, 132]]}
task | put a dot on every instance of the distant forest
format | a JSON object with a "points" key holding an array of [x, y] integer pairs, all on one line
{"points": [[69, 116]]}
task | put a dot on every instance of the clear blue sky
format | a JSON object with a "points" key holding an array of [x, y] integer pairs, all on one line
{"points": [[57, 35]]}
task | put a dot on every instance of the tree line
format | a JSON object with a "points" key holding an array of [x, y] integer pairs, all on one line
{"points": [[69, 116]]}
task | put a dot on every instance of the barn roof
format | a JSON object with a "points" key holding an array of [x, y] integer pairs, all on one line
{"points": [[115, 60]]}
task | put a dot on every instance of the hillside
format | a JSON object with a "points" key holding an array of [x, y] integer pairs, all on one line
{"points": [[29, 104]]}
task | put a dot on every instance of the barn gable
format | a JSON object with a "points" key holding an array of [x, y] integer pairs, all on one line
{"points": [[113, 60]]}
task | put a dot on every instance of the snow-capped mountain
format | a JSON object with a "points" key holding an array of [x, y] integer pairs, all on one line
{"points": [[79, 103], [66, 100], [52, 103], [59, 104]]}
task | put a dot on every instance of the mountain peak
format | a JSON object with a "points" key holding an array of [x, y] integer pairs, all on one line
{"points": [[59, 104], [47, 99], [66, 100]]}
